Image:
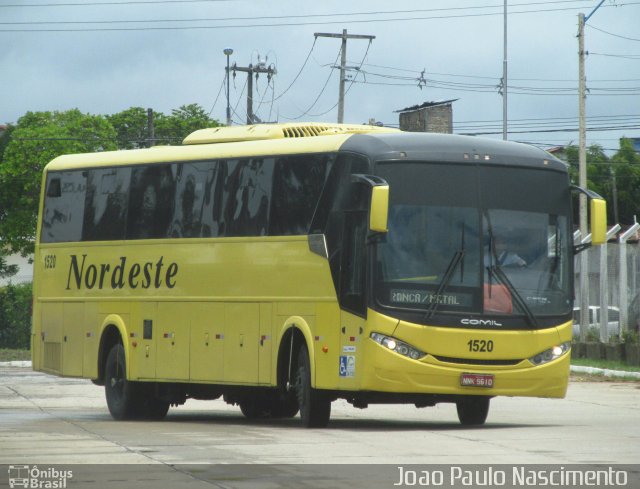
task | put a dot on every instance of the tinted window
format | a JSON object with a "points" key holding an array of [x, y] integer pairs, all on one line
{"points": [[151, 202], [297, 185], [192, 215], [105, 209], [341, 197], [63, 207], [246, 196]]}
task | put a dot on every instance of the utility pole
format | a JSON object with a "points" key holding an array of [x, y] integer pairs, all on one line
{"points": [[250, 70], [343, 62], [504, 77], [151, 130], [582, 171]]}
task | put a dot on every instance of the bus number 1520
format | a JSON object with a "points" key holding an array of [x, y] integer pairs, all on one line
{"points": [[49, 262], [480, 346]]}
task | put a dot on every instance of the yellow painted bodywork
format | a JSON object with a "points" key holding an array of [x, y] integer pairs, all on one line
{"points": [[387, 371], [219, 308]]}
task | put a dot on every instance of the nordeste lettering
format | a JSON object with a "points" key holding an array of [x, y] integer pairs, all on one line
{"points": [[120, 275]]}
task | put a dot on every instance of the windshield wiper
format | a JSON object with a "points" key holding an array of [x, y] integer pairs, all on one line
{"points": [[495, 269], [520, 302], [446, 278], [455, 259]]}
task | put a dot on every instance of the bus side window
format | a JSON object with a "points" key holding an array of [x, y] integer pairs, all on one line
{"points": [[353, 269], [106, 204], [54, 189], [151, 201], [247, 196], [298, 182], [63, 207]]}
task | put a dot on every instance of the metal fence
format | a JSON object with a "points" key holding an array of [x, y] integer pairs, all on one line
{"points": [[612, 287]]}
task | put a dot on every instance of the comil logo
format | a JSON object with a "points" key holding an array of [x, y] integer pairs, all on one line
{"points": [[36, 478]]}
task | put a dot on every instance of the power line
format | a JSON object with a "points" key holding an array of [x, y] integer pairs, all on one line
{"points": [[89, 4], [624, 56], [324, 87], [217, 96], [612, 34], [497, 79], [299, 72], [329, 22], [138, 2]]}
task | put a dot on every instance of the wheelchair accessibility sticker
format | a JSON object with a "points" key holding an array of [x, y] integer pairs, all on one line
{"points": [[347, 366]]}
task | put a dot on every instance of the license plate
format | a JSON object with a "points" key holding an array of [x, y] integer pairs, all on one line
{"points": [[476, 380]]}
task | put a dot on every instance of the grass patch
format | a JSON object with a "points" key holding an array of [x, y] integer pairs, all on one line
{"points": [[10, 355], [606, 364]]}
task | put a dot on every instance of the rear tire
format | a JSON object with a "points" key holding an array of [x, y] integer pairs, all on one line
{"points": [[473, 410], [284, 406], [255, 408], [270, 404], [127, 399], [119, 392], [314, 405]]}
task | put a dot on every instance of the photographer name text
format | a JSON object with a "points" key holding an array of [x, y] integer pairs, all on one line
{"points": [[517, 476]]}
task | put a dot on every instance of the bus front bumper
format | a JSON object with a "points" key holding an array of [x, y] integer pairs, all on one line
{"points": [[387, 371]]}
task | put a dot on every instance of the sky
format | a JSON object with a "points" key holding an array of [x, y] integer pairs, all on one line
{"points": [[104, 56]]}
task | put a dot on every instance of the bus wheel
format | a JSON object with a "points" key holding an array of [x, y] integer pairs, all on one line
{"points": [[255, 408], [284, 407], [314, 405], [473, 410], [119, 392], [148, 405]]}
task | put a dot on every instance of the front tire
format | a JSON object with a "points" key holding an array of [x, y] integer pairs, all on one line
{"points": [[314, 405], [473, 410]]}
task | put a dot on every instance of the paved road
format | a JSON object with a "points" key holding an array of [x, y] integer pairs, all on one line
{"points": [[50, 420], [46, 419]]}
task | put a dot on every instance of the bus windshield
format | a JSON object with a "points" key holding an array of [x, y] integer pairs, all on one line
{"points": [[475, 240]]}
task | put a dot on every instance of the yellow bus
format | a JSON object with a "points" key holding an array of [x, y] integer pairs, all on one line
{"points": [[285, 266]]}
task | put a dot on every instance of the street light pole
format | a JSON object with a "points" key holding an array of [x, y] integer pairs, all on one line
{"points": [[228, 52]]}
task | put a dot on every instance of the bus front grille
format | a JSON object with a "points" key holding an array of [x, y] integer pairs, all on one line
{"points": [[476, 361]]}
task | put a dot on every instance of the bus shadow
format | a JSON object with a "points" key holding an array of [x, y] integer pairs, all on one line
{"points": [[350, 424]]}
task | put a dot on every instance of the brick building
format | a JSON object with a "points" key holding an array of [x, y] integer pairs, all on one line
{"points": [[428, 117]]}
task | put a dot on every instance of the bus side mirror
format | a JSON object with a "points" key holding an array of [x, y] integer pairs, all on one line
{"points": [[379, 212], [598, 211], [379, 204]]}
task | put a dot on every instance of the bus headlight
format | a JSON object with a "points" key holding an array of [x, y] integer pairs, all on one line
{"points": [[397, 346], [551, 354]]}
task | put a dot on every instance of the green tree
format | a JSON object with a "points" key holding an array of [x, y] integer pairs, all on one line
{"points": [[38, 138], [15, 316], [600, 177], [596, 166], [132, 125], [625, 165], [132, 128], [182, 122], [5, 203]]}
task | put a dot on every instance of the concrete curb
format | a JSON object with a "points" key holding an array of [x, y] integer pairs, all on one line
{"points": [[574, 368], [16, 363], [604, 371]]}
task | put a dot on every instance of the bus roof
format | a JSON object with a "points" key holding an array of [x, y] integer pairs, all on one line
{"points": [[278, 131], [449, 148], [229, 142], [379, 143]]}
